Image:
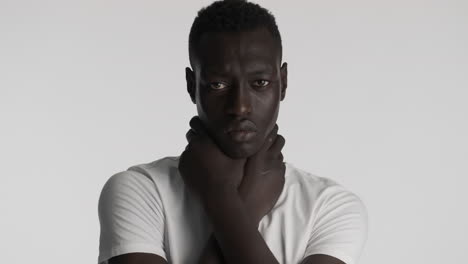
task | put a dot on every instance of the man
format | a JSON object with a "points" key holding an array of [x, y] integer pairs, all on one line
{"points": [[229, 197]]}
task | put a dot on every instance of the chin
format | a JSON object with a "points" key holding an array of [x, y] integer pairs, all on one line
{"points": [[239, 151], [238, 154]]}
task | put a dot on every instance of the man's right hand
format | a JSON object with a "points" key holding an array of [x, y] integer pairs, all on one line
{"points": [[263, 179], [204, 167]]}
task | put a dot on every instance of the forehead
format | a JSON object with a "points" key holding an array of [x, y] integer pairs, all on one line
{"points": [[229, 49]]}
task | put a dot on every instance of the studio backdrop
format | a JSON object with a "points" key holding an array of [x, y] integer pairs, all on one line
{"points": [[376, 100]]}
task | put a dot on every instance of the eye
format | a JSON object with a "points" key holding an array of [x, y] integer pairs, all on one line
{"points": [[261, 83], [217, 85]]}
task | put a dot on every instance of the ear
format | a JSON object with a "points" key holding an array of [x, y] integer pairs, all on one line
{"points": [[191, 86], [284, 80]]}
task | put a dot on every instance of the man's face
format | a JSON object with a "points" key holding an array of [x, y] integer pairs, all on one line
{"points": [[238, 85]]}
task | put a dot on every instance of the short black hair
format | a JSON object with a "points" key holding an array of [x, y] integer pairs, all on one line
{"points": [[231, 16]]}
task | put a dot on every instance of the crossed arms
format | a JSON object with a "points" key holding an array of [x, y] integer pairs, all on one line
{"points": [[235, 194]]}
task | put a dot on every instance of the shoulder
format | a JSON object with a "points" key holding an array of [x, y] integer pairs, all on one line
{"points": [[295, 175], [139, 182], [131, 211], [144, 173], [323, 198], [158, 169], [337, 217], [317, 188]]}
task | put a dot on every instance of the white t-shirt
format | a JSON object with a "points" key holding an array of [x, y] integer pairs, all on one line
{"points": [[149, 209]]}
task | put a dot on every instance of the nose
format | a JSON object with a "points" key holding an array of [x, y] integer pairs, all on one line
{"points": [[239, 101]]}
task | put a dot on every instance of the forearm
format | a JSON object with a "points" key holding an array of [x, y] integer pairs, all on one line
{"points": [[212, 252], [236, 229]]}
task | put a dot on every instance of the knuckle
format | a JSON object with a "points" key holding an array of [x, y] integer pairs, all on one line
{"points": [[281, 159], [281, 139]]}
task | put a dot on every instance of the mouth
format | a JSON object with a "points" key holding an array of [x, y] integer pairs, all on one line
{"points": [[241, 135], [242, 126], [241, 131]]}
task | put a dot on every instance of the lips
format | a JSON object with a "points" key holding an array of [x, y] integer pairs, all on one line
{"points": [[243, 126], [241, 131], [241, 135]]}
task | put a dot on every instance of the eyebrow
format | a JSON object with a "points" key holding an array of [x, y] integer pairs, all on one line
{"points": [[256, 69], [260, 70]]}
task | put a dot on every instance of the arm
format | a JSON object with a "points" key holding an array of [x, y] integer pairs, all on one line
{"points": [[131, 220], [212, 253], [321, 259], [259, 191], [339, 228], [262, 182], [137, 258], [235, 230]]}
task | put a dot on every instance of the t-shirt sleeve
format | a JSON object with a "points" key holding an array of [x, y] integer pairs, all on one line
{"points": [[131, 217], [339, 228]]}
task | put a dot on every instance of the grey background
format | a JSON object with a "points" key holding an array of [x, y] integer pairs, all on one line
{"points": [[376, 101]]}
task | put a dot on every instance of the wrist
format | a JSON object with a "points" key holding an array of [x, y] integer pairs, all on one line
{"points": [[249, 204], [212, 253], [216, 193]]}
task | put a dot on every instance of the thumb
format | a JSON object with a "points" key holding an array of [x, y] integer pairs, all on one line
{"points": [[270, 139]]}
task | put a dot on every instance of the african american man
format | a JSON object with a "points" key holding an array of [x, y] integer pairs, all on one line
{"points": [[230, 197]]}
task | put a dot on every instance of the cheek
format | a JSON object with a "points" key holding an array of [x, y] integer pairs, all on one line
{"points": [[267, 111], [209, 107], [203, 104], [210, 111]]}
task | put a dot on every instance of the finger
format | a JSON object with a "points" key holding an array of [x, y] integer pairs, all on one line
{"points": [[277, 145], [278, 165], [281, 157], [190, 135], [197, 125], [270, 138]]}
